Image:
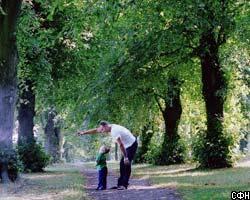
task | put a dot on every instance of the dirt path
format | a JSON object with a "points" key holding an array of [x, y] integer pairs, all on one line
{"points": [[139, 189]]}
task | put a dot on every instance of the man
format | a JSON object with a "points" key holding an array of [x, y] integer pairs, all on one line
{"points": [[128, 146]]}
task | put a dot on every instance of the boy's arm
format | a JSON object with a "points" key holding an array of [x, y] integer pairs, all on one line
{"points": [[91, 131]]}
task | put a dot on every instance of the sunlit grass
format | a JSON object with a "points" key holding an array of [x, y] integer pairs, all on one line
{"points": [[59, 182], [197, 184]]}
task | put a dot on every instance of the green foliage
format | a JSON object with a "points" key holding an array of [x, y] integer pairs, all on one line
{"points": [[145, 138], [108, 60], [153, 155], [13, 161], [213, 152], [166, 152], [33, 157], [172, 152]]}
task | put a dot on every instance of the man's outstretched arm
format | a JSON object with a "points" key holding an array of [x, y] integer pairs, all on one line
{"points": [[90, 131]]}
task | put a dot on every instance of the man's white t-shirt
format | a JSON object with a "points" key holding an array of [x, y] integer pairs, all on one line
{"points": [[124, 134]]}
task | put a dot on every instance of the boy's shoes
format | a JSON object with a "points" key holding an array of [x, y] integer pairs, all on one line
{"points": [[121, 187], [100, 188]]}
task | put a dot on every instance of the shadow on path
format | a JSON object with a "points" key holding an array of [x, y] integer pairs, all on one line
{"points": [[139, 189]]}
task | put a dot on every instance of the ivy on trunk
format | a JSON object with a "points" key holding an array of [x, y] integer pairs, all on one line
{"points": [[214, 88], [172, 151], [26, 113]]}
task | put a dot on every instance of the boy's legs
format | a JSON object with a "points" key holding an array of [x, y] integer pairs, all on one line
{"points": [[102, 178]]}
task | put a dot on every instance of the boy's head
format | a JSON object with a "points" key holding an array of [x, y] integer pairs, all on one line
{"points": [[104, 149]]}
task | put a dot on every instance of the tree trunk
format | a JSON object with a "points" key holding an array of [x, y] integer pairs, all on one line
{"points": [[172, 152], [8, 87], [26, 113], [214, 91], [53, 137]]}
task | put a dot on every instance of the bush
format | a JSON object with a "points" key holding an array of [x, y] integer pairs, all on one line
{"points": [[33, 157], [154, 153], [15, 166], [145, 138], [212, 152], [169, 152]]}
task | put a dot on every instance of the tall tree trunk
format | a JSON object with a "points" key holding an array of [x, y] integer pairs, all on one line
{"points": [[214, 91], [26, 113], [8, 64], [53, 138], [172, 152]]}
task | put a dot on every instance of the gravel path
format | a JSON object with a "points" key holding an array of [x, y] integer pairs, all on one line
{"points": [[139, 189]]}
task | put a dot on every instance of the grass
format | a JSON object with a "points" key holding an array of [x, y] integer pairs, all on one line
{"points": [[64, 182], [192, 183], [59, 182]]}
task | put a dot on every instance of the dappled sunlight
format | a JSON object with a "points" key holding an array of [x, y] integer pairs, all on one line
{"points": [[46, 176], [47, 195], [187, 174], [61, 182], [173, 185], [245, 163], [162, 171]]}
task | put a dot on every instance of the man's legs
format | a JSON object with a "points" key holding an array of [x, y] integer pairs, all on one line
{"points": [[99, 179], [105, 177], [125, 170], [122, 172]]}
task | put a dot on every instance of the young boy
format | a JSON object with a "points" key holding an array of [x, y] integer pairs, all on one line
{"points": [[102, 168]]}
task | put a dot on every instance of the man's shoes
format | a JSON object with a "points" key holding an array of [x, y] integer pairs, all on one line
{"points": [[114, 188], [121, 187]]}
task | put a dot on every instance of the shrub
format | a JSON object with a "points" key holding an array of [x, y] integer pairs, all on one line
{"points": [[212, 152], [169, 152], [15, 166], [33, 157]]}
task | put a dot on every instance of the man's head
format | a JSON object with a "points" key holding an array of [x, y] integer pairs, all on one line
{"points": [[104, 126]]}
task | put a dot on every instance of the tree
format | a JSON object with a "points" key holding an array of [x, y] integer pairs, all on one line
{"points": [[172, 33], [49, 62], [9, 11]]}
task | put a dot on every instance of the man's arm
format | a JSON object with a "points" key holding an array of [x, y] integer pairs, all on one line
{"points": [[124, 152], [122, 147], [91, 131]]}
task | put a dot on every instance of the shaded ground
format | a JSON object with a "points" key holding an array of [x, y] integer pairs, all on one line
{"points": [[59, 182], [138, 189]]}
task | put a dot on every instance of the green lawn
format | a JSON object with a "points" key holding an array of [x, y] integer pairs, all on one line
{"points": [[192, 183], [197, 184], [58, 182]]}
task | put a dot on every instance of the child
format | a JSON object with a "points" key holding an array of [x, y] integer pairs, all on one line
{"points": [[102, 168]]}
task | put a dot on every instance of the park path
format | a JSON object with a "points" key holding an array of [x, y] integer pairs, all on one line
{"points": [[139, 189]]}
